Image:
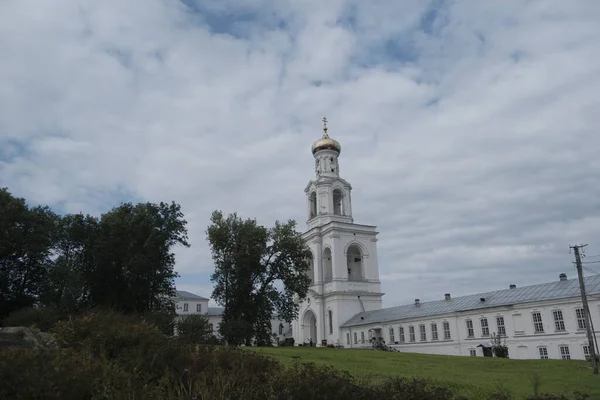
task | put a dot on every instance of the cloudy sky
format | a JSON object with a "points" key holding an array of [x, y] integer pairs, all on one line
{"points": [[470, 129]]}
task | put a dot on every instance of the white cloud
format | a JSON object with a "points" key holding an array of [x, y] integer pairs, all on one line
{"points": [[468, 128]]}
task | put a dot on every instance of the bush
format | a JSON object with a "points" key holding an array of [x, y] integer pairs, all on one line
{"points": [[194, 328], [41, 318], [107, 355]]}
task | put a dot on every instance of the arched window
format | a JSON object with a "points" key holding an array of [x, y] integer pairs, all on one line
{"points": [[313, 204], [338, 198], [355, 264], [281, 329], [311, 267], [330, 315], [327, 265]]}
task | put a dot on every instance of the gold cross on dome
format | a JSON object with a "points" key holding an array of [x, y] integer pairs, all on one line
{"points": [[325, 124]]}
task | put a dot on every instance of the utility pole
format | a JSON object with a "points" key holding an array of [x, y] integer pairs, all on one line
{"points": [[586, 309]]}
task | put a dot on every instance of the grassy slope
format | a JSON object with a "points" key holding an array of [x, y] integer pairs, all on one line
{"points": [[472, 376]]}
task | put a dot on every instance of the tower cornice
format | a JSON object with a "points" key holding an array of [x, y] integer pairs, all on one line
{"points": [[327, 181]]}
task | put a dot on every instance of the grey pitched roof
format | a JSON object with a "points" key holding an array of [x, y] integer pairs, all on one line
{"points": [[182, 294], [215, 310], [526, 294]]}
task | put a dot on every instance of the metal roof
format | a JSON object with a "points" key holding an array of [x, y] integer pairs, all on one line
{"points": [[215, 311], [527, 294], [182, 294]]}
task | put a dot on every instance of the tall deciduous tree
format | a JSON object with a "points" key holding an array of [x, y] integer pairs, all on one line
{"points": [[258, 272], [25, 245], [66, 287], [134, 262]]}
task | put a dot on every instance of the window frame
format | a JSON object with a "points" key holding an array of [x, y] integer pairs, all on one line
{"points": [[485, 327], [564, 351], [538, 326], [411, 334], [559, 321], [470, 328], [501, 327], [422, 333], [434, 331], [581, 323], [447, 332]]}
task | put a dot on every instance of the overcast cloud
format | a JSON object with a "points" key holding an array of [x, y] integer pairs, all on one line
{"points": [[469, 129]]}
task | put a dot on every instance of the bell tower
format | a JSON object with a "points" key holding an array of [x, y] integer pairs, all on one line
{"points": [[328, 196], [343, 267]]}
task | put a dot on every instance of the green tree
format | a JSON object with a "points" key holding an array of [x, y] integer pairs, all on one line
{"points": [[25, 245], [65, 287], [258, 272], [133, 259]]}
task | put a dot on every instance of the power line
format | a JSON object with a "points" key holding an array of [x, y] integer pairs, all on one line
{"points": [[591, 270], [590, 262]]}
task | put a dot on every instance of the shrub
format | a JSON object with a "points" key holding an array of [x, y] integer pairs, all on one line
{"points": [[164, 321], [194, 328], [41, 318], [107, 355]]}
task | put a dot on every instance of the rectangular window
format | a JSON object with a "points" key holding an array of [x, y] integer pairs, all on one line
{"points": [[401, 334], [423, 333], [411, 333], [485, 329], [565, 354], [470, 330], [472, 352], [580, 318], [362, 337], [392, 338], [559, 322], [500, 325], [185, 307], [446, 330], [355, 338], [347, 338], [543, 353], [586, 350], [210, 328], [434, 332], [198, 307], [538, 326]]}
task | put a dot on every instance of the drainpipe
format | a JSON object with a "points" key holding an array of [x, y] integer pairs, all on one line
{"points": [[362, 306]]}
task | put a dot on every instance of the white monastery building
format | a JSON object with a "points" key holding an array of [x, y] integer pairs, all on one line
{"points": [[344, 304]]}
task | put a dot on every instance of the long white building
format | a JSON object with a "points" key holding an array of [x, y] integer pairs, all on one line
{"points": [[539, 321], [344, 303]]}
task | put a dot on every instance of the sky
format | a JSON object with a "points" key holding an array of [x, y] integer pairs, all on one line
{"points": [[469, 129]]}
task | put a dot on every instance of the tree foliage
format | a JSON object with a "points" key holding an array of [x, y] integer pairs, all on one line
{"points": [[258, 272], [194, 328], [122, 260], [25, 245]]}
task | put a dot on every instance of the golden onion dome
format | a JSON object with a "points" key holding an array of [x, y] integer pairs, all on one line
{"points": [[326, 143]]}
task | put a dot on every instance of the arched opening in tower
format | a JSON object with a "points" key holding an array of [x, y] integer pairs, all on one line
{"points": [[327, 266], [311, 266], [313, 204], [355, 264], [309, 327], [338, 198]]}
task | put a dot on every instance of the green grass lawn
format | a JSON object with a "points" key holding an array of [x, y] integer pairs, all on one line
{"points": [[474, 377]]}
